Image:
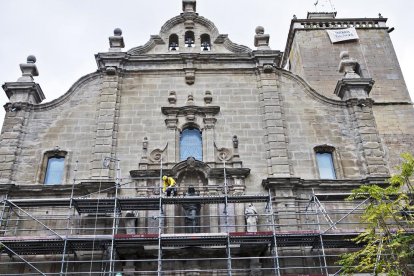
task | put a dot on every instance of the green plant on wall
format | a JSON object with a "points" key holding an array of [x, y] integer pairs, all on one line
{"points": [[388, 239]]}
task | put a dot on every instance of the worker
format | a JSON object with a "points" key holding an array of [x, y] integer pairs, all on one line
{"points": [[169, 185]]}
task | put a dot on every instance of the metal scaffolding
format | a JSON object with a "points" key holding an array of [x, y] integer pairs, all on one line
{"points": [[87, 236]]}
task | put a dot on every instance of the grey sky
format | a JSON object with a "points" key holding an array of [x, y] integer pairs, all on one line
{"points": [[64, 35]]}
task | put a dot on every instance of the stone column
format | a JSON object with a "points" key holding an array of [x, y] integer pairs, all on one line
{"points": [[23, 94]]}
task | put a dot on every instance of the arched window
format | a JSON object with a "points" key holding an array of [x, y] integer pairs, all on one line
{"points": [[325, 161], [191, 144], [173, 43], [189, 39], [205, 42]]}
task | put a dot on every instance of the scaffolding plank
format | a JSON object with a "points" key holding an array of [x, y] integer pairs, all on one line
{"points": [[140, 203], [215, 199], [25, 203], [53, 245], [194, 239]]}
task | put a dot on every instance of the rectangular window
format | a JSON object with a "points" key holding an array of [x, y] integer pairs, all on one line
{"points": [[325, 165], [54, 170]]}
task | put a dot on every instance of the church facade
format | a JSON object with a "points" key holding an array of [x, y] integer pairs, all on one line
{"points": [[263, 145]]}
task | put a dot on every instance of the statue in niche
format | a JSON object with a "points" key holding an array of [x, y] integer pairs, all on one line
{"points": [[250, 213], [192, 211], [130, 222]]}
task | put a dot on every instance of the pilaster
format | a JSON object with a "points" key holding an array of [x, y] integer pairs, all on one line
{"points": [[272, 106], [22, 94], [273, 116], [354, 91], [106, 126]]}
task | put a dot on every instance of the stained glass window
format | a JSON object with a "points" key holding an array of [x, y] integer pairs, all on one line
{"points": [[54, 170], [325, 165], [191, 144]]}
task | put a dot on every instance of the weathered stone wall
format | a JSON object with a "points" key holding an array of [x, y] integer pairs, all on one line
{"points": [[67, 122], [312, 122], [143, 95], [316, 59], [396, 130]]}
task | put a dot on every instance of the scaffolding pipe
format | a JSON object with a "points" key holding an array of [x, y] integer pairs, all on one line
{"points": [[325, 267], [69, 229], [115, 215], [275, 249], [226, 219], [160, 214], [21, 258], [347, 214], [3, 212], [35, 219]]}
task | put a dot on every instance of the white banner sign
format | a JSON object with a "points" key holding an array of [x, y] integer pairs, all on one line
{"points": [[342, 35]]}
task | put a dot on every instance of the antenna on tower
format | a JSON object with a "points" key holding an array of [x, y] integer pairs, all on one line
{"points": [[324, 6]]}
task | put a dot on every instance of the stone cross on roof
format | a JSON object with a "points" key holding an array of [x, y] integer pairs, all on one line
{"points": [[189, 5]]}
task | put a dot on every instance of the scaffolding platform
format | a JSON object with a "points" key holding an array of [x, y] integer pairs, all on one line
{"points": [[107, 205], [30, 245]]}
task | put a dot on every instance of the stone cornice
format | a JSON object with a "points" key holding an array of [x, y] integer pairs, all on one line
{"points": [[41, 190], [33, 89], [230, 172], [184, 110], [293, 183], [69, 94], [310, 91], [357, 83]]}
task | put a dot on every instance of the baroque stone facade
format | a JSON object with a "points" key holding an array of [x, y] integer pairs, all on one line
{"points": [[263, 118]]}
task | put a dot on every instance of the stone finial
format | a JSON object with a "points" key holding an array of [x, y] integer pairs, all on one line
{"points": [[208, 97], [352, 86], [295, 17], [24, 90], [380, 15], [145, 144], [189, 5], [29, 70], [190, 99], [172, 97], [348, 66], [116, 42], [261, 40], [235, 142]]}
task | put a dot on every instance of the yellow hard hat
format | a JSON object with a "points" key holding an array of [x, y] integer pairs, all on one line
{"points": [[164, 177]]}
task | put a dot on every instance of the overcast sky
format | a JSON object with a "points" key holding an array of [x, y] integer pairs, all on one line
{"points": [[64, 35]]}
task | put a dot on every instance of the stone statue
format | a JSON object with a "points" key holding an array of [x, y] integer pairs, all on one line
{"points": [[130, 222], [191, 211], [251, 216]]}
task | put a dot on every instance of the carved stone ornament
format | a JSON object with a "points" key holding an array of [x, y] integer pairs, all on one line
{"points": [[157, 155], [172, 97], [348, 66], [110, 70], [191, 162], [189, 76], [235, 142], [208, 97], [261, 40], [268, 68], [224, 154]]}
